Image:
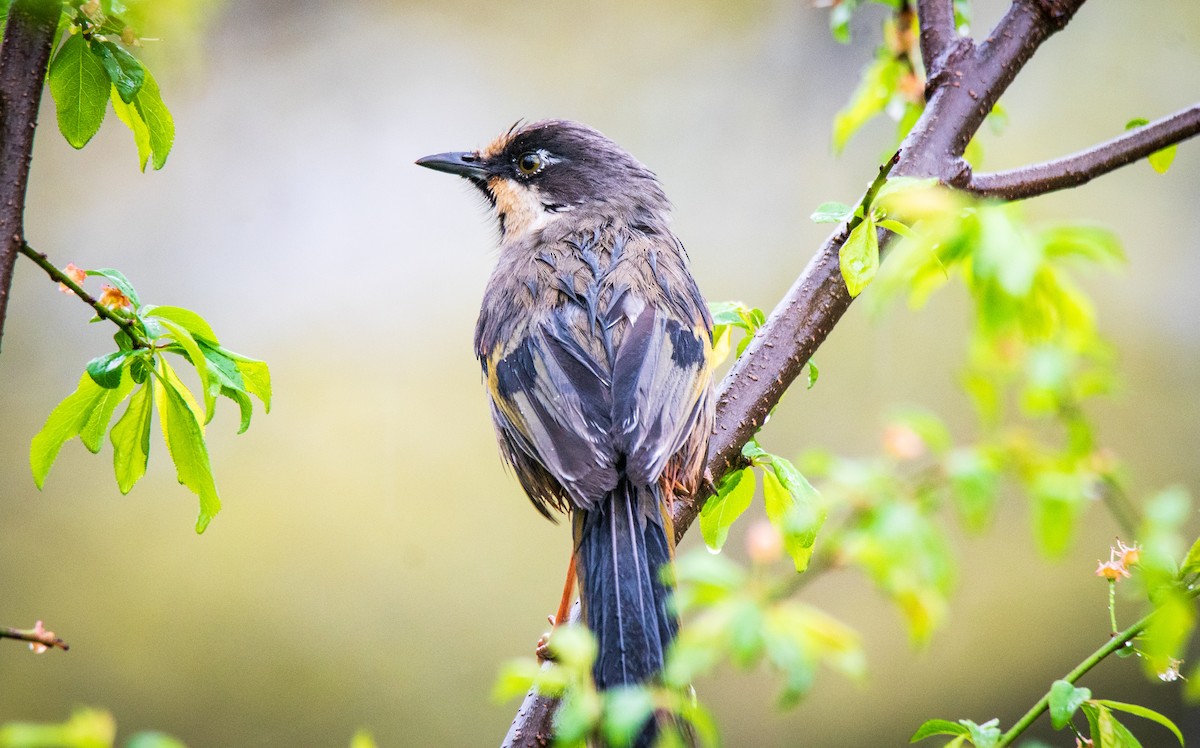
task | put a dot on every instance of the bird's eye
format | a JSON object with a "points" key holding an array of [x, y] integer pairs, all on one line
{"points": [[530, 163]]}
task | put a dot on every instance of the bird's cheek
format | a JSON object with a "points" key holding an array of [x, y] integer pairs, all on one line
{"points": [[519, 205]]}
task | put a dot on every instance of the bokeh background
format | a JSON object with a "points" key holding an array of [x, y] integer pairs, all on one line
{"points": [[374, 563]]}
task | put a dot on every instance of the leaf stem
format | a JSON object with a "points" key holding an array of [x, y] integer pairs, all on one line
{"points": [[52, 270], [872, 190], [1115, 642], [1112, 605]]}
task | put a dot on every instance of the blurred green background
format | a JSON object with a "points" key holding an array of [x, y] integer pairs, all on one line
{"points": [[374, 563]]}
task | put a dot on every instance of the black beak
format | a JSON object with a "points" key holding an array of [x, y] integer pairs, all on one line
{"points": [[464, 164]]}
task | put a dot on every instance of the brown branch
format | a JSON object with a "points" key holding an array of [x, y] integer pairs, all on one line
{"points": [[28, 38], [137, 340], [937, 32], [969, 81], [1082, 167], [38, 637]]}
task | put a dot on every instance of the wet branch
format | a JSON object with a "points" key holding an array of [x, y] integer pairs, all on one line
{"points": [[967, 81], [24, 55], [1080, 168]]}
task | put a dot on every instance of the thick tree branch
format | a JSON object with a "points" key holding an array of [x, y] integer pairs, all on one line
{"points": [[1082, 167], [938, 32], [28, 38], [969, 80]]}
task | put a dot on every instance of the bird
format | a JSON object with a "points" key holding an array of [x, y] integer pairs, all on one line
{"points": [[596, 349]]}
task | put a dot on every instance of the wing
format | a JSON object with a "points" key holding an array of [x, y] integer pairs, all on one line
{"points": [[551, 403], [612, 376], [662, 393]]}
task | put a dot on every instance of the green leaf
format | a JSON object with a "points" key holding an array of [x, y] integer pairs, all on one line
{"points": [[92, 433], [106, 370], [128, 114], [185, 441], [154, 113], [1191, 563], [793, 507], [1160, 160], [875, 89], [118, 279], [79, 85], [124, 70], [734, 494], [1144, 713], [1091, 243], [1108, 732], [65, 422], [1065, 698], [859, 257], [937, 727], [185, 339], [745, 632], [986, 735], [187, 319], [256, 376], [752, 450], [245, 407], [626, 709], [839, 22], [831, 212], [896, 227], [150, 739], [576, 718], [86, 728], [131, 438]]}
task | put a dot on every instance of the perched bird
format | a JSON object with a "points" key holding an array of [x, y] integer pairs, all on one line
{"points": [[596, 347]]}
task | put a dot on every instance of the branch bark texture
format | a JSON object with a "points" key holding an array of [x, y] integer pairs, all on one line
{"points": [[24, 56], [966, 80], [1081, 168]]}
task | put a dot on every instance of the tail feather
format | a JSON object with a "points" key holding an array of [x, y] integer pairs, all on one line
{"points": [[621, 547]]}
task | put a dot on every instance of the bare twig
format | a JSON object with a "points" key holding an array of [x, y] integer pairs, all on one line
{"points": [[1082, 167], [28, 38], [38, 637], [937, 32]]}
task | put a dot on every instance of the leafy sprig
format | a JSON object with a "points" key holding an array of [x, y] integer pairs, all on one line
{"points": [[140, 370], [93, 68]]}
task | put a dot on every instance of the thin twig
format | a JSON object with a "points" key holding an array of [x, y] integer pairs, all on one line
{"points": [[106, 312], [36, 636], [1082, 167], [1118, 641]]}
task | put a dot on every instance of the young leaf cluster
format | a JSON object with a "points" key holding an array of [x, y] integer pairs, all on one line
{"points": [[747, 617], [858, 256], [734, 315], [793, 506], [140, 371], [93, 67]]}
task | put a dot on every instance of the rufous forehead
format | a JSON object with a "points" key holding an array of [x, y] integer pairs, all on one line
{"points": [[496, 147]]}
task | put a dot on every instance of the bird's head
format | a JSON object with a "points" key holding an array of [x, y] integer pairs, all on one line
{"points": [[538, 173]]}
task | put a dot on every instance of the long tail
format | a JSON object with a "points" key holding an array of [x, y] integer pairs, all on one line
{"points": [[620, 549]]}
